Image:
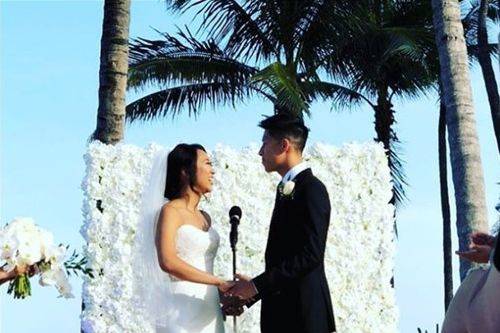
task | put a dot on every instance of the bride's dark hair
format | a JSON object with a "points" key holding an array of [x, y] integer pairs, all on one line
{"points": [[181, 158]]}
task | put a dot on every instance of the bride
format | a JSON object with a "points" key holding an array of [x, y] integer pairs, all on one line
{"points": [[177, 246], [475, 308]]}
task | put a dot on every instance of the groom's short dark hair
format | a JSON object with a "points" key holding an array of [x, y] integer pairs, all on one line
{"points": [[285, 125]]}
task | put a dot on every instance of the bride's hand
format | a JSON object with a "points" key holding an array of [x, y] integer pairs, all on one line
{"points": [[241, 277], [225, 286]]}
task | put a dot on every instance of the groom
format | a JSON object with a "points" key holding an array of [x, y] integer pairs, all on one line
{"points": [[293, 288]]}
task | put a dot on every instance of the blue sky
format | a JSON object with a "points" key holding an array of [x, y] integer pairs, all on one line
{"points": [[49, 81]]}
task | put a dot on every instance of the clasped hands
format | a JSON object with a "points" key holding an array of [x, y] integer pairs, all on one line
{"points": [[236, 294], [481, 244]]}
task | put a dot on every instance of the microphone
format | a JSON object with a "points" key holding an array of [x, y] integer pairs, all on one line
{"points": [[234, 219]]}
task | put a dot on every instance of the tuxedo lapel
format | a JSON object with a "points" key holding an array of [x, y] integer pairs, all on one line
{"points": [[274, 218], [282, 202], [279, 215], [276, 205]]}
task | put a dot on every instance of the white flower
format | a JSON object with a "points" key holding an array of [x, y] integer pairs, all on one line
{"points": [[355, 175], [48, 278], [288, 188], [64, 287], [24, 243]]}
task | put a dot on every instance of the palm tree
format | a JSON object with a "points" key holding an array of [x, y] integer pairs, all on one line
{"points": [[383, 57], [469, 22], [445, 206], [464, 146], [291, 53], [479, 16], [113, 72], [112, 75], [486, 65], [261, 48]]}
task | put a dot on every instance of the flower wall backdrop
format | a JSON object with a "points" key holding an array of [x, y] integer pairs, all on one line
{"points": [[361, 241]]}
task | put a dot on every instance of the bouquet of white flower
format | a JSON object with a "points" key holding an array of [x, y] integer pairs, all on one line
{"points": [[22, 244]]}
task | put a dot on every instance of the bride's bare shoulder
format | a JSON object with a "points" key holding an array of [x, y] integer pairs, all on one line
{"points": [[172, 205], [169, 213]]}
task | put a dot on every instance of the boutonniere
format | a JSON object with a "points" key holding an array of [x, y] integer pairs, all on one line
{"points": [[287, 190]]}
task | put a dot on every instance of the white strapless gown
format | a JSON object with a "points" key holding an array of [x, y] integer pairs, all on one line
{"points": [[197, 304], [475, 308]]}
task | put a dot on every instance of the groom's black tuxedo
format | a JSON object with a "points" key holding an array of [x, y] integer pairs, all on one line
{"points": [[293, 289]]}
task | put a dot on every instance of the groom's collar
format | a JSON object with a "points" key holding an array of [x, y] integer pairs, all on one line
{"points": [[293, 172]]}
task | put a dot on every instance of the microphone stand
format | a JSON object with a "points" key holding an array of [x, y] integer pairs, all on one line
{"points": [[233, 240], [234, 219]]}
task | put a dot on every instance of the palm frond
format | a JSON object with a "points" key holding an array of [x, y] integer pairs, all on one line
{"points": [[143, 49], [408, 42], [396, 165], [193, 97], [228, 19], [311, 12], [383, 56], [384, 122], [470, 18], [183, 60], [320, 31], [339, 95], [275, 23], [179, 5], [409, 14], [277, 79], [473, 50], [188, 67]]}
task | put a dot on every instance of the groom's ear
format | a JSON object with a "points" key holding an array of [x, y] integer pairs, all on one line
{"points": [[286, 145]]}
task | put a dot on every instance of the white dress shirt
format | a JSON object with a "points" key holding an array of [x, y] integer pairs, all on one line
{"points": [[293, 172]]}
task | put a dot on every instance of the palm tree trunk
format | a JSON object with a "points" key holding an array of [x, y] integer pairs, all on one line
{"points": [[467, 171], [384, 119], [445, 207], [487, 69], [113, 71]]}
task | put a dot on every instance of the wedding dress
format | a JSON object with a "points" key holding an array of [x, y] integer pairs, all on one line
{"points": [[475, 308], [168, 304], [198, 304]]}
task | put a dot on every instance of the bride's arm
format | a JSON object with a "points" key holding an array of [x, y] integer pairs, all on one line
{"points": [[6, 276], [168, 223], [18, 270]]}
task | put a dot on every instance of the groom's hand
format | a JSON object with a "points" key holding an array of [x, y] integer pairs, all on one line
{"points": [[231, 305], [229, 301], [233, 311], [481, 238], [243, 288]]}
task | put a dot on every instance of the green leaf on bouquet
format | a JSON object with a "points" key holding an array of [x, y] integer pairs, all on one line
{"points": [[77, 264], [20, 286]]}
